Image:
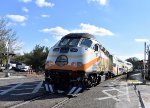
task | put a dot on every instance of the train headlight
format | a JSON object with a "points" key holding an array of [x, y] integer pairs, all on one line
{"points": [[73, 49], [76, 64]]}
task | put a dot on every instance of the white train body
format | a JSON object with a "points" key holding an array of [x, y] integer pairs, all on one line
{"points": [[81, 57], [118, 66], [128, 66], [78, 59]]}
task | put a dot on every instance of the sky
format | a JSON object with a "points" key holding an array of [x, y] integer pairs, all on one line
{"points": [[121, 26]]}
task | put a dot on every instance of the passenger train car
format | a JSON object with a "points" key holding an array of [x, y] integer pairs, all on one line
{"points": [[128, 66], [118, 66], [78, 61], [121, 67]]}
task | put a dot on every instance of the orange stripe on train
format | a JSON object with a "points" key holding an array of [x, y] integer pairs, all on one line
{"points": [[69, 67]]}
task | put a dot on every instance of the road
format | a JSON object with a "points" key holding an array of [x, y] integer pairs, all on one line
{"points": [[28, 92]]}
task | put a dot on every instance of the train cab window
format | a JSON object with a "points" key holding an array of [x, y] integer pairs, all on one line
{"points": [[96, 47], [69, 41], [86, 42], [64, 41], [74, 42]]}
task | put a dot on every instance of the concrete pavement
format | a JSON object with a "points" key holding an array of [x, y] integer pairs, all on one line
{"points": [[118, 92], [141, 87]]}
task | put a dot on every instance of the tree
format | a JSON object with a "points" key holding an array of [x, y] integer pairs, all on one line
{"points": [[18, 58], [135, 61], [36, 58], [7, 35]]}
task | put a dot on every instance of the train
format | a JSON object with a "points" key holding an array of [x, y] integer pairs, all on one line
{"points": [[77, 62]]}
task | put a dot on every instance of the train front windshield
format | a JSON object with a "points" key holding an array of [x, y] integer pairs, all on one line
{"points": [[69, 42]]}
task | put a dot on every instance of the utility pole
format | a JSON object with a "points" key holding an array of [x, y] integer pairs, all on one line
{"points": [[144, 62], [7, 74], [148, 62]]}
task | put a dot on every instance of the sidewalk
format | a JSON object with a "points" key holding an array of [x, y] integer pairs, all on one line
{"points": [[2, 74], [141, 89], [14, 75], [144, 92]]}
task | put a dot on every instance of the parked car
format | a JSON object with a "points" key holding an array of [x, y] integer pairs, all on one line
{"points": [[2, 68], [22, 68]]}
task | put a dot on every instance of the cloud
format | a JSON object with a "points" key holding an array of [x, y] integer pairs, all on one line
{"points": [[45, 16], [40, 3], [141, 40], [98, 31], [25, 9], [17, 18], [58, 32], [26, 1], [101, 2], [43, 3]]}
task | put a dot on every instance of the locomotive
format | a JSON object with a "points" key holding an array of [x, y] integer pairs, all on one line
{"points": [[78, 61]]}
